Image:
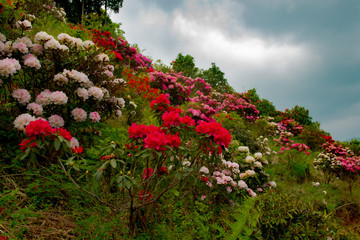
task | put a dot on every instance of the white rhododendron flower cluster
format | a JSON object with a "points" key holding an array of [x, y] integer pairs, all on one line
{"points": [[9, 66], [79, 114], [37, 109], [23, 120], [31, 61], [56, 121], [96, 93], [58, 97]]}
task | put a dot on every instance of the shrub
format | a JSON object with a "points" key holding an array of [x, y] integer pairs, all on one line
{"points": [[285, 217]]}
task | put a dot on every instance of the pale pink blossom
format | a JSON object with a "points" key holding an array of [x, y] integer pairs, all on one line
{"points": [[9, 66], [74, 143], [61, 79], [56, 121], [44, 97], [37, 49], [87, 44], [83, 93], [94, 116], [102, 57], [118, 113], [21, 47], [32, 61], [204, 169], [37, 109], [96, 92], [2, 38], [58, 97], [108, 73], [79, 114], [22, 120], [21, 95], [41, 37]]}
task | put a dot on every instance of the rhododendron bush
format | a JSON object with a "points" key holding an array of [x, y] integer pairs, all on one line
{"points": [[338, 161], [64, 80]]}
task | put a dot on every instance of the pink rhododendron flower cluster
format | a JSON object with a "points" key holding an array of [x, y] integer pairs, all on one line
{"points": [[21, 95], [79, 114], [37, 109], [94, 116]]}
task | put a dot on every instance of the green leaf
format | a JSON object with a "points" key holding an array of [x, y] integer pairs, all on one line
{"points": [[176, 193], [57, 144], [76, 167], [113, 163], [70, 160], [98, 174]]}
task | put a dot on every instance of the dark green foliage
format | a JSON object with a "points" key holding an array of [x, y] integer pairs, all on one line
{"points": [[354, 146], [299, 114], [75, 8], [245, 224], [265, 107], [244, 137], [186, 65], [312, 136], [285, 217], [215, 77]]}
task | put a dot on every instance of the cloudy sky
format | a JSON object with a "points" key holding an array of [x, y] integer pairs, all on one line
{"points": [[294, 52]]}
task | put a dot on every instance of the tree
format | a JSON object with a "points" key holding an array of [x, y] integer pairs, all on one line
{"points": [[75, 9], [216, 78], [186, 65], [300, 114]]}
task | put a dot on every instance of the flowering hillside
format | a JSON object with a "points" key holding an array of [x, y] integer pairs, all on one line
{"points": [[97, 142]]}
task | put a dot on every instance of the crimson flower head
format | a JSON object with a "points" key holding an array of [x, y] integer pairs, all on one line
{"points": [[77, 150], [171, 119], [187, 121], [161, 103], [64, 133], [26, 143], [163, 170], [220, 135], [39, 127]]}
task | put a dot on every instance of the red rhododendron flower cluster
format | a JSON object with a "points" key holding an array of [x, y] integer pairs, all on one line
{"points": [[77, 150], [171, 119], [39, 127], [221, 136], [141, 130], [292, 126], [329, 139], [153, 136], [187, 121], [64, 133], [161, 103], [141, 84]]}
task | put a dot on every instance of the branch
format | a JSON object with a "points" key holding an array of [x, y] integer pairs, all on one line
{"points": [[84, 190]]}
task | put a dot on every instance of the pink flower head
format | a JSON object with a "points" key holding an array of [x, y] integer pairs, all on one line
{"points": [[22, 95], [94, 116], [79, 114]]}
